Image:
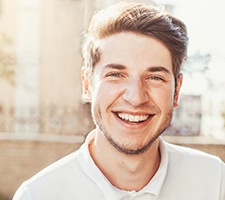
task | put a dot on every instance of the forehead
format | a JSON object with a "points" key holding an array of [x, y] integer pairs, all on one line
{"points": [[134, 50]]}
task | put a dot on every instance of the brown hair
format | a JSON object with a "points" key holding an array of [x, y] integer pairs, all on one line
{"points": [[141, 19]]}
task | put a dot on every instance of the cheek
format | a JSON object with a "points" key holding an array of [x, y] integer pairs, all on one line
{"points": [[102, 96], [164, 98], [108, 91]]}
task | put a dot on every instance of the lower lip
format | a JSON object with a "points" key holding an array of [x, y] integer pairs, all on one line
{"points": [[132, 124]]}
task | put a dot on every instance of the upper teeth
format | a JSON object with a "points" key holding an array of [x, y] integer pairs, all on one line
{"points": [[133, 118]]}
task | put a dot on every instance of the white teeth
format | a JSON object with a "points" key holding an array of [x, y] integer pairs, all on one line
{"points": [[133, 118]]}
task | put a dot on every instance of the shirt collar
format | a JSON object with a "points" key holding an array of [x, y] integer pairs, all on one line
{"points": [[156, 183], [111, 192], [93, 172]]}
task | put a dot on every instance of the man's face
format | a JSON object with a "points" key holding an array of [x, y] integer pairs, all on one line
{"points": [[132, 91]]}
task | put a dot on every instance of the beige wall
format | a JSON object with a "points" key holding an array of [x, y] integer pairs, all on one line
{"points": [[60, 50], [57, 61], [60, 85]]}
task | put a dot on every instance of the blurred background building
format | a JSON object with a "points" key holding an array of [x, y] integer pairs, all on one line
{"points": [[42, 116]]}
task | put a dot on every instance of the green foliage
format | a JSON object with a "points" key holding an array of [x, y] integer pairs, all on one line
{"points": [[7, 60], [197, 63]]}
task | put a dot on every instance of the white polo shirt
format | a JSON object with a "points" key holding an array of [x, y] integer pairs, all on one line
{"points": [[183, 174]]}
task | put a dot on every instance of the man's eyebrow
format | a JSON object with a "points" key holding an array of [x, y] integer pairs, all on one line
{"points": [[115, 66], [150, 69], [158, 69]]}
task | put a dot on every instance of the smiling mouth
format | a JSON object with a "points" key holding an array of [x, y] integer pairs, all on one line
{"points": [[133, 118]]}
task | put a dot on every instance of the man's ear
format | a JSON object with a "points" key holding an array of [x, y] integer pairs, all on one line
{"points": [[177, 92], [86, 85]]}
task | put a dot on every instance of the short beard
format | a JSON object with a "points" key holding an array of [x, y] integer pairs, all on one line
{"points": [[127, 151], [123, 148]]}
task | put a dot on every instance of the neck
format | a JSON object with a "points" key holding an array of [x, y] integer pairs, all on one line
{"points": [[126, 172]]}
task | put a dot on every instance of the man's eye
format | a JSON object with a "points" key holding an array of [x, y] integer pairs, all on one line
{"points": [[156, 78], [114, 75]]}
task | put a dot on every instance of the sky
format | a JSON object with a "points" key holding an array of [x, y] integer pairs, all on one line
{"points": [[205, 20]]}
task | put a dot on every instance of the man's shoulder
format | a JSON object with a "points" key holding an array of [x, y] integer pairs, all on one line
{"points": [[196, 157], [194, 170], [64, 177], [58, 170]]}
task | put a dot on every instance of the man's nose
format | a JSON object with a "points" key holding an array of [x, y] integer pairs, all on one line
{"points": [[135, 93]]}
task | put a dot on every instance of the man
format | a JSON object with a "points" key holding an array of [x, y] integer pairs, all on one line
{"points": [[131, 76]]}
